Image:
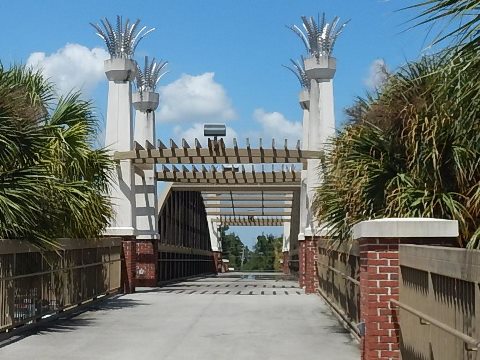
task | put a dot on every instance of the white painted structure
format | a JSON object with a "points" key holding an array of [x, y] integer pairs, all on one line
{"points": [[321, 125], [146, 208], [119, 137]]}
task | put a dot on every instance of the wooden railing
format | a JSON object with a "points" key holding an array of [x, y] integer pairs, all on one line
{"points": [[439, 305], [338, 271], [35, 284]]}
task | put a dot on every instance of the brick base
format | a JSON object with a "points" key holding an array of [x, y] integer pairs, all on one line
{"points": [[379, 283], [128, 270], [286, 265], [147, 263], [217, 261], [307, 257]]}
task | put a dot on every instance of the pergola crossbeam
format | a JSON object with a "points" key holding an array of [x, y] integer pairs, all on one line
{"points": [[215, 153]]}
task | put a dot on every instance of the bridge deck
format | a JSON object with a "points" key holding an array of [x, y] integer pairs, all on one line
{"points": [[228, 317]]}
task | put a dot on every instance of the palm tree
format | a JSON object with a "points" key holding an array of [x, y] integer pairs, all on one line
{"points": [[52, 179], [412, 150], [463, 14], [413, 147]]}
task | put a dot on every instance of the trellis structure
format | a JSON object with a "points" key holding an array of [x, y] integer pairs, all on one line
{"points": [[215, 153]]}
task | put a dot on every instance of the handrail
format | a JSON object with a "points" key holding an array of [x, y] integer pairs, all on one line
{"points": [[471, 344], [346, 277]]}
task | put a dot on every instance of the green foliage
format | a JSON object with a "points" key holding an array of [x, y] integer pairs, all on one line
{"points": [[266, 255], [461, 19], [412, 150], [52, 179], [232, 248]]}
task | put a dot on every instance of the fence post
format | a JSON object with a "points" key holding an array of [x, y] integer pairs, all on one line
{"points": [[379, 242]]}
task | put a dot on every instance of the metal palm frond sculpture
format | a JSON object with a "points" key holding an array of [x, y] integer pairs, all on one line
{"points": [[147, 79], [298, 69], [319, 37], [123, 40]]}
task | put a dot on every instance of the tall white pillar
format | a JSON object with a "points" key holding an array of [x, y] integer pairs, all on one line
{"points": [[119, 137], [215, 240], [304, 100], [146, 208], [321, 124]]}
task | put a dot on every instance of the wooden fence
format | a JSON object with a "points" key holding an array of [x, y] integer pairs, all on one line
{"points": [[338, 273], [439, 303], [36, 284]]}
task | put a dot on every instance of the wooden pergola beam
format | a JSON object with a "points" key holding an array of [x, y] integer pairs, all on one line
{"points": [[247, 188], [215, 153], [248, 213], [249, 205]]}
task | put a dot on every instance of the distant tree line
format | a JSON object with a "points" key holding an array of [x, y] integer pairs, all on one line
{"points": [[266, 254]]}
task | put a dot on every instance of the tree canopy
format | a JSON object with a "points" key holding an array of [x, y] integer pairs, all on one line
{"points": [[53, 181]]}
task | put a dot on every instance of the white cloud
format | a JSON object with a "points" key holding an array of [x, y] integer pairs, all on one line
{"points": [[73, 67], [377, 74], [275, 125], [196, 131], [194, 98]]}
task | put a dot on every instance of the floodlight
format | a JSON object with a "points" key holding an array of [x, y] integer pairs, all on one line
{"points": [[214, 130]]}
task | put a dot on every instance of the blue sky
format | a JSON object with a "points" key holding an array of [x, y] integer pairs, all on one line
{"points": [[226, 54]]}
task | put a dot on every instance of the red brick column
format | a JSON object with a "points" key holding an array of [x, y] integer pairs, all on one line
{"points": [[379, 242], [217, 261], [286, 265], [147, 263], [129, 266], [311, 257], [379, 284], [301, 262]]}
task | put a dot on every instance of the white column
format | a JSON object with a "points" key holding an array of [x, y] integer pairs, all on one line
{"points": [[286, 237], [304, 100], [215, 240], [119, 137], [321, 124], [146, 210]]}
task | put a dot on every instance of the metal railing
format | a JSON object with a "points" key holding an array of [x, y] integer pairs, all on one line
{"points": [[35, 284], [338, 271], [439, 303]]}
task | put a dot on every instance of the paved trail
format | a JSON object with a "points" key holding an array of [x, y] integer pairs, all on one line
{"points": [[227, 317]]}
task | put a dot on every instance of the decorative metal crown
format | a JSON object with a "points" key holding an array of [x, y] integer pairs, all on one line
{"points": [[147, 79], [123, 40], [298, 69], [319, 37]]}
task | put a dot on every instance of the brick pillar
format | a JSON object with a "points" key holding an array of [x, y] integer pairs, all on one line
{"points": [[217, 261], [286, 265], [147, 263], [307, 259], [379, 242], [301, 260], [129, 265]]}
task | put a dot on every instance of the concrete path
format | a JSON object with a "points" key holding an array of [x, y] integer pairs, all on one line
{"points": [[228, 317]]}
